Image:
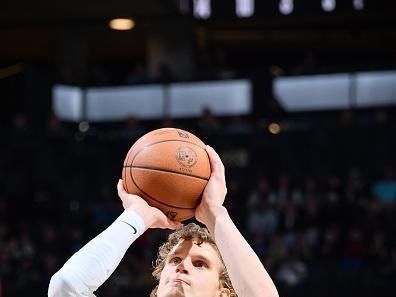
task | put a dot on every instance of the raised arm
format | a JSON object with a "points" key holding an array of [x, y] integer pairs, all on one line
{"points": [[247, 274], [92, 265]]}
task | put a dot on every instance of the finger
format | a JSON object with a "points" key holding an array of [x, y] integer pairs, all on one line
{"points": [[120, 186], [121, 190], [215, 161]]}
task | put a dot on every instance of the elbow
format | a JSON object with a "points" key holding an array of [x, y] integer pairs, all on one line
{"points": [[55, 285], [265, 291], [273, 292], [59, 285]]}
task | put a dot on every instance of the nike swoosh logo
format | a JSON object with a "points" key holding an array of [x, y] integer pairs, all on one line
{"points": [[134, 229]]}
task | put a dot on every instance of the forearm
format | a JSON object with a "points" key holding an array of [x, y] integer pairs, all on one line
{"points": [[91, 266], [247, 274]]}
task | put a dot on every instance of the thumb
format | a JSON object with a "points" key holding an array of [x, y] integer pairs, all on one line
{"points": [[121, 191]]}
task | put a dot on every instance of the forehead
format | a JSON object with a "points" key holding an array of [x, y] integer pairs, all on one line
{"points": [[191, 248]]}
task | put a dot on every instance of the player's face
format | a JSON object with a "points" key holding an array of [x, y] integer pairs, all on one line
{"points": [[191, 270]]}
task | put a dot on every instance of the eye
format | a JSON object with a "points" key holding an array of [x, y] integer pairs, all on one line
{"points": [[175, 260], [200, 264]]}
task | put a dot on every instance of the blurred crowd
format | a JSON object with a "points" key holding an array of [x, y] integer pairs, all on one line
{"points": [[317, 208]]}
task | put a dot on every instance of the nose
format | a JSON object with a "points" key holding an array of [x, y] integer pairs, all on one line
{"points": [[181, 268]]}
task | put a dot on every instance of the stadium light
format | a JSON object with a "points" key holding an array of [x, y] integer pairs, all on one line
{"points": [[328, 5], [358, 4], [202, 9], [244, 8], [122, 24], [286, 6], [274, 128]]}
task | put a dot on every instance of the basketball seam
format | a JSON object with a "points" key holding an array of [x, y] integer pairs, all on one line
{"points": [[126, 184], [181, 140], [149, 196], [166, 170]]}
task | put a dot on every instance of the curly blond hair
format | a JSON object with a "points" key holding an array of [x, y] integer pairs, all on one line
{"points": [[189, 232]]}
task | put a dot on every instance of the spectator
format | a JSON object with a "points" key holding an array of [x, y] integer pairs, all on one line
{"points": [[385, 189], [208, 124], [263, 220], [138, 75], [261, 192]]}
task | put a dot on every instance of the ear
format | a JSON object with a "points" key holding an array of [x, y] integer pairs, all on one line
{"points": [[224, 292]]}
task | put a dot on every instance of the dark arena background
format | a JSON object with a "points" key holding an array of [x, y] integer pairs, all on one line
{"points": [[298, 97]]}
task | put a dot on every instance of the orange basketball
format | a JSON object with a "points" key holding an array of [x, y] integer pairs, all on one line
{"points": [[169, 168]]}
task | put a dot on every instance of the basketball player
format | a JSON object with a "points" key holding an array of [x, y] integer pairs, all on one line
{"points": [[212, 262]]}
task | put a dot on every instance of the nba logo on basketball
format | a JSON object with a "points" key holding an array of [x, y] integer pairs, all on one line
{"points": [[186, 156]]}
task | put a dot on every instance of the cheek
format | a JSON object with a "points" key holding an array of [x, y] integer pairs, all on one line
{"points": [[210, 280], [163, 277], [164, 272]]}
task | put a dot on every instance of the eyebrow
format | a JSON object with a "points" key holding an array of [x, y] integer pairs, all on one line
{"points": [[200, 257], [203, 258]]}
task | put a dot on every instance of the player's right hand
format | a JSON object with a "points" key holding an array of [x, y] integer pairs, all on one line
{"points": [[152, 216], [213, 196]]}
